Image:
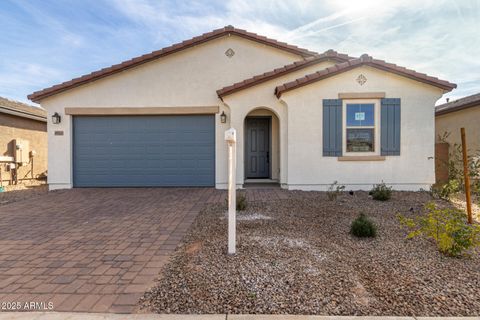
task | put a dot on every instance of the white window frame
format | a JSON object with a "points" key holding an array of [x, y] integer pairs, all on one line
{"points": [[376, 130]]}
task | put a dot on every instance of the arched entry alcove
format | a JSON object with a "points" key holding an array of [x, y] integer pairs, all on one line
{"points": [[262, 146]]}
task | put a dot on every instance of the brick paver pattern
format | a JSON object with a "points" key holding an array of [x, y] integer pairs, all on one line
{"points": [[96, 250]]}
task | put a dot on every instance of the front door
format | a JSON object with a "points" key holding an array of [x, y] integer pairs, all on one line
{"points": [[257, 148]]}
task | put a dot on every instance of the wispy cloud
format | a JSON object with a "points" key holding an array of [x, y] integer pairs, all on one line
{"points": [[16, 76], [438, 37]]}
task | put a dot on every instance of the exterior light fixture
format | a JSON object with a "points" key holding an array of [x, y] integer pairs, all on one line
{"points": [[56, 118], [223, 117]]}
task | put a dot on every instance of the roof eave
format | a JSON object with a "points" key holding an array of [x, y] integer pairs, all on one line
{"points": [[125, 65], [22, 114], [222, 92], [279, 90], [457, 108], [446, 88]]}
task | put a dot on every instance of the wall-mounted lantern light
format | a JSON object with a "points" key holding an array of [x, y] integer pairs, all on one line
{"points": [[56, 118], [223, 117]]}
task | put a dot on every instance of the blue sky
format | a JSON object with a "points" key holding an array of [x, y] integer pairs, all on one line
{"points": [[44, 42]]}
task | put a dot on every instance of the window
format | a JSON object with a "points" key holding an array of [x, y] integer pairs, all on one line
{"points": [[360, 128]]}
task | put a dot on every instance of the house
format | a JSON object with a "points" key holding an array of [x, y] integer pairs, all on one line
{"points": [[451, 116], [23, 141], [303, 119]]}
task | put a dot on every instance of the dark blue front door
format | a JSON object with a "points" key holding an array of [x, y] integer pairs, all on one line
{"points": [[257, 148]]}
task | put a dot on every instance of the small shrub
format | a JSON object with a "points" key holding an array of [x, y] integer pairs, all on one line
{"points": [[363, 227], [334, 190], [448, 227], [241, 201], [381, 192], [446, 190]]}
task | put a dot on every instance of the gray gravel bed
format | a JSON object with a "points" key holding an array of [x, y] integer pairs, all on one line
{"points": [[304, 261]]}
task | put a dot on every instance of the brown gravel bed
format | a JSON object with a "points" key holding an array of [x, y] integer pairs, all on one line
{"points": [[304, 261]]}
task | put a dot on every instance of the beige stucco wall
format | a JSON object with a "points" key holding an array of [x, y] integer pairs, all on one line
{"points": [[35, 132], [262, 96], [412, 170], [452, 122], [191, 78], [187, 78]]}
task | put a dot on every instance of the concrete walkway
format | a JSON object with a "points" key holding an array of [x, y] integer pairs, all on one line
{"points": [[98, 316]]}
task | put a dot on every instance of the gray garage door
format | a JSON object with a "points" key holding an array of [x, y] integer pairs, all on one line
{"points": [[143, 151]]}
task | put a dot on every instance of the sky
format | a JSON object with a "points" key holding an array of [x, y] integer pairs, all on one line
{"points": [[45, 42]]}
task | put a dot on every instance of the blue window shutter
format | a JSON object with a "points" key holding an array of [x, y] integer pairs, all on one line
{"points": [[390, 127], [332, 127]]}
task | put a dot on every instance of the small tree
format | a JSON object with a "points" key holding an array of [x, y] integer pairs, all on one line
{"points": [[448, 227]]}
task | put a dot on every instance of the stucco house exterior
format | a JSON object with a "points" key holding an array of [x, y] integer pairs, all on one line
{"points": [[303, 119], [23, 141], [453, 115]]}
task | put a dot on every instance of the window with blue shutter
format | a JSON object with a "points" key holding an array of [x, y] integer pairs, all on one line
{"points": [[332, 127], [390, 127]]}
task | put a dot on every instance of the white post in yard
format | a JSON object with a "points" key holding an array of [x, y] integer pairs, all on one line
{"points": [[231, 138]]}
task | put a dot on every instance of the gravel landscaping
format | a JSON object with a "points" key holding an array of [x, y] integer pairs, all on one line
{"points": [[296, 256]]}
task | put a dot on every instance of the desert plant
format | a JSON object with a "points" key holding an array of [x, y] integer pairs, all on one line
{"points": [[241, 201], [381, 192], [448, 227], [446, 190], [455, 170], [334, 190], [443, 138], [363, 227]]}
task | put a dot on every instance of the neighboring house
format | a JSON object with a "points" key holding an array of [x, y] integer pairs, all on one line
{"points": [[303, 119], [23, 140], [452, 116]]}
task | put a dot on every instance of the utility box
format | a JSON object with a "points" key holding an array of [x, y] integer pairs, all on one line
{"points": [[21, 151]]}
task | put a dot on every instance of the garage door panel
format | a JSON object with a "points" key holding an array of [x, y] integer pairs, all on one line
{"points": [[121, 151]]}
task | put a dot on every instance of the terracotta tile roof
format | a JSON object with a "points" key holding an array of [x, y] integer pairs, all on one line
{"points": [[457, 105], [297, 65], [22, 109], [364, 60], [38, 95]]}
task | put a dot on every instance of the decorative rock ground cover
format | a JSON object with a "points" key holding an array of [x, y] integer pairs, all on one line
{"points": [[296, 256]]}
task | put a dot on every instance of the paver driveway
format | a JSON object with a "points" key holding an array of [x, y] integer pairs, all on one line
{"points": [[94, 250]]}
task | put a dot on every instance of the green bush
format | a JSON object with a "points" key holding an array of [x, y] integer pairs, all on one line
{"points": [[381, 192], [363, 227], [448, 227], [334, 190]]}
